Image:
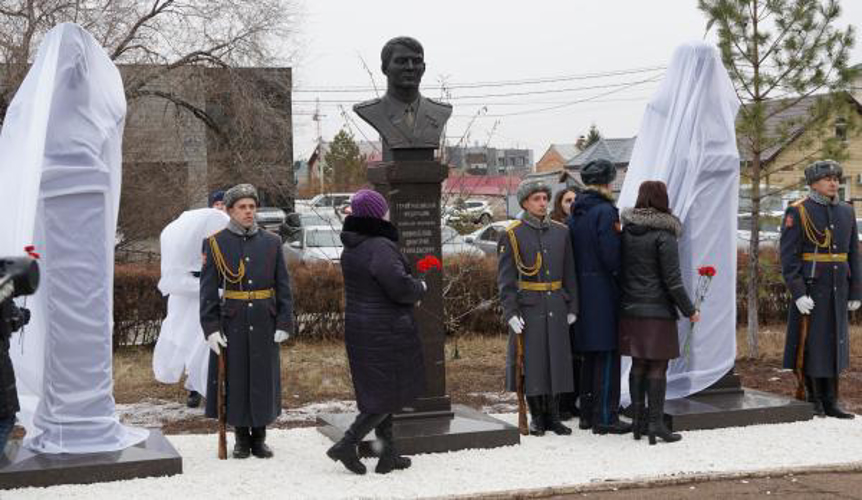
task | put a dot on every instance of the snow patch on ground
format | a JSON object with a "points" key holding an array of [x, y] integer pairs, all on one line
{"points": [[301, 469], [151, 412]]}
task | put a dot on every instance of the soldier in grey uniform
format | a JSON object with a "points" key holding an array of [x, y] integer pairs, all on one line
{"points": [[404, 118], [249, 320], [820, 265], [538, 293]]}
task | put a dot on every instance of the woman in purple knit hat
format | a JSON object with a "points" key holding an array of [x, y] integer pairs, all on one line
{"points": [[383, 345]]}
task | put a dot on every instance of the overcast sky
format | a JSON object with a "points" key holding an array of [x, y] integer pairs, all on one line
{"points": [[493, 42]]}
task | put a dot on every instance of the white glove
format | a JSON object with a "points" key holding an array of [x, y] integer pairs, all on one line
{"points": [[805, 304], [281, 336], [424, 285], [571, 318], [854, 304], [216, 341], [516, 323]]}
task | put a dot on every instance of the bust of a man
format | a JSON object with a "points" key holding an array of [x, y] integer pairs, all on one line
{"points": [[404, 118]]}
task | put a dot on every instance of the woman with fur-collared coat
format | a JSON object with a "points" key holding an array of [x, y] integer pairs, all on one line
{"points": [[651, 292], [383, 344]]}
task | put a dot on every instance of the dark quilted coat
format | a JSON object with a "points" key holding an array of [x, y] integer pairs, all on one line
{"points": [[383, 345]]}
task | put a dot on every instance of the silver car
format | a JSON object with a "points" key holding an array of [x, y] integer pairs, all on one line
{"points": [[487, 237], [454, 244], [315, 244]]}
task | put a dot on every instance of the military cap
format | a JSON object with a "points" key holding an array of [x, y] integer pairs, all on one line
{"points": [[239, 192], [598, 173], [530, 186], [823, 168]]}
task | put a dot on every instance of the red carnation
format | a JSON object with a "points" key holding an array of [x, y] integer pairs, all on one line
{"points": [[428, 263], [708, 271]]}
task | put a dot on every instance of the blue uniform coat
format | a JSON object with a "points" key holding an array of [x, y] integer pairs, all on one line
{"points": [[595, 231], [831, 286]]}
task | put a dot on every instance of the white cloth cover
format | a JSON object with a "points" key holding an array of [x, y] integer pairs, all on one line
{"points": [[687, 139], [60, 172], [181, 344]]}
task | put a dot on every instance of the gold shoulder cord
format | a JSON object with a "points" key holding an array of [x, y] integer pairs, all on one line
{"points": [[522, 268], [221, 265], [819, 239]]}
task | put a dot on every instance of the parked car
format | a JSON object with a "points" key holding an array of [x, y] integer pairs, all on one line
{"points": [[295, 222], [486, 238], [768, 239], [270, 218], [455, 245], [474, 211], [323, 203], [315, 243]]}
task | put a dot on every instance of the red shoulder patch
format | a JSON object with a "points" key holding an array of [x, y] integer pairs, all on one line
{"points": [[617, 227], [789, 221], [203, 258]]}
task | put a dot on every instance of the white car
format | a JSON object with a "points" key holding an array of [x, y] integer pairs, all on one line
{"points": [[473, 211], [316, 244], [486, 238], [454, 244], [323, 203]]}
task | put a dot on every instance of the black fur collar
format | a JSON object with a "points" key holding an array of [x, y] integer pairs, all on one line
{"points": [[371, 226]]}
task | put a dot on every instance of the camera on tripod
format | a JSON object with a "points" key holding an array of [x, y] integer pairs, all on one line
{"points": [[18, 276]]}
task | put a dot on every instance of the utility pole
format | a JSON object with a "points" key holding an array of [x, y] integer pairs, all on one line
{"points": [[316, 117]]}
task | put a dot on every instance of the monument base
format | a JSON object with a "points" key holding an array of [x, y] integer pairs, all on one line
{"points": [[727, 404], [154, 457], [464, 428]]}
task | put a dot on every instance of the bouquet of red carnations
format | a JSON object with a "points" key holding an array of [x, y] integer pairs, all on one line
{"points": [[705, 275]]}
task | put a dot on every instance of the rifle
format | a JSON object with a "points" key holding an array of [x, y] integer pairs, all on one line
{"points": [[804, 324], [222, 407], [519, 384]]}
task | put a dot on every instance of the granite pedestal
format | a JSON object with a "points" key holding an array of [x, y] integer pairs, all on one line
{"points": [[727, 404], [155, 457], [411, 185]]}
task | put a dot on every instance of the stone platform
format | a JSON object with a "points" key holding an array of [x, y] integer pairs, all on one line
{"points": [[727, 404], [155, 457], [462, 428]]}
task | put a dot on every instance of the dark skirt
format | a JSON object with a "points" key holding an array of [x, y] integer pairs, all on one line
{"points": [[649, 338]]}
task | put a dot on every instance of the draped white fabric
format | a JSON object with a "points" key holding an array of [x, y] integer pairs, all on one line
{"points": [[687, 139], [60, 173], [181, 345]]}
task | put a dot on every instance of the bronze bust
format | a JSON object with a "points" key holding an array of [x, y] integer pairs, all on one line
{"points": [[405, 120]]}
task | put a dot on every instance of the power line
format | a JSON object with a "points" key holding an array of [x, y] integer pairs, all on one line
{"points": [[483, 96], [498, 83]]}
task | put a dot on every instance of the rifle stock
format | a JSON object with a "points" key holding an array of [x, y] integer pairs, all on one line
{"points": [[799, 370], [222, 408], [519, 382]]}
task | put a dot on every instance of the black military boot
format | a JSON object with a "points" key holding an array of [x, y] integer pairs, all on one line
{"points": [[657, 388], [194, 399], [567, 406], [831, 408], [389, 458], [552, 416], [242, 442], [637, 389], [585, 418], [344, 451], [812, 395], [258, 443], [537, 415]]}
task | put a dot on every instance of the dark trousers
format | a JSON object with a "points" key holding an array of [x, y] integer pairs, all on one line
{"points": [[568, 400], [600, 387]]}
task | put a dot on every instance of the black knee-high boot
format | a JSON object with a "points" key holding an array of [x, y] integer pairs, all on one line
{"points": [[812, 395], [657, 389], [829, 388], [637, 389], [242, 442], [344, 451], [258, 443], [389, 458], [536, 404], [552, 416]]}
